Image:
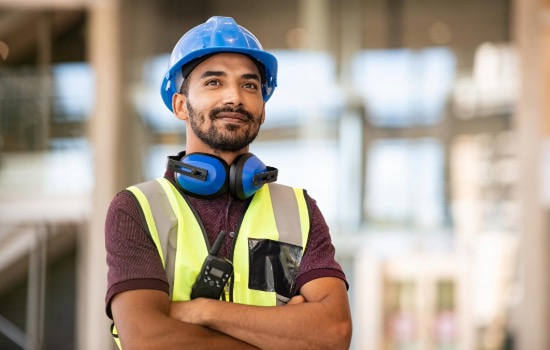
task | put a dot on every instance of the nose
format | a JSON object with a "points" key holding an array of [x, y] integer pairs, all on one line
{"points": [[233, 96]]}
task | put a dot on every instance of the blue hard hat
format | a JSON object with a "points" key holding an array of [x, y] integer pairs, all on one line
{"points": [[218, 34]]}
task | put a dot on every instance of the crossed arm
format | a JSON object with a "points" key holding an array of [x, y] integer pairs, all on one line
{"points": [[143, 322], [318, 319]]}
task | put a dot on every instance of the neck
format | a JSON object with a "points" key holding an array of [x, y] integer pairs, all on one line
{"points": [[228, 157]]}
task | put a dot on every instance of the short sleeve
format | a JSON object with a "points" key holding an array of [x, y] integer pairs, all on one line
{"points": [[319, 257], [132, 258]]}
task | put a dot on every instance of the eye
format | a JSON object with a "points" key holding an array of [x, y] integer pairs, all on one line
{"points": [[212, 82], [251, 85]]}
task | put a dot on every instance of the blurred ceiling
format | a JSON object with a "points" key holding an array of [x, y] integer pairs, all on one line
{"points": [[34, 34], [48, 36]]}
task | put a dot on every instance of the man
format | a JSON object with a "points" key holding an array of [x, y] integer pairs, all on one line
{"points": [[276, 263]]}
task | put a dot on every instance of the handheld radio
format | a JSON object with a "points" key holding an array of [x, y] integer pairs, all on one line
{"points": [[214, 275]]}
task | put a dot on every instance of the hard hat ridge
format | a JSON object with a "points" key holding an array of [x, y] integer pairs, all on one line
{"points": [[216, 35]]}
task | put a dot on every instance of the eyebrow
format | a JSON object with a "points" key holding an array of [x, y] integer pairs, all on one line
{"points": [[212, 73], [251, 76]]}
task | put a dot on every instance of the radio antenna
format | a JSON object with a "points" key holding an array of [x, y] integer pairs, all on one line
{"points": [[217, 244]]}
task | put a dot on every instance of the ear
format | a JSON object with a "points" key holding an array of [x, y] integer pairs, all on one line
{"points": [[179, 106]]}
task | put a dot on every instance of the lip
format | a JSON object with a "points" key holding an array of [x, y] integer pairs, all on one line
{"points": [[232, 117]]}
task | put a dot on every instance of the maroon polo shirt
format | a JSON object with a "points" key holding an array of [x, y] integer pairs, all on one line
{"points": [[134, 262]]}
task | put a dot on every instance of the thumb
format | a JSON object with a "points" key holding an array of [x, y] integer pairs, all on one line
{"points": [[298, 299]]}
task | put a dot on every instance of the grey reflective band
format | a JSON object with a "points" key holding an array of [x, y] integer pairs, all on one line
{"points": [[287, 214], [287, 219], [166, 223]]}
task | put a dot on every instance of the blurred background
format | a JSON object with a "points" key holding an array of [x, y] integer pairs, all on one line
{"points": [[421, 128]]}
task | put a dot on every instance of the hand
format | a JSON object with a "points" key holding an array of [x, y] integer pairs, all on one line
{"points": [[189, 311], [298, 299]]}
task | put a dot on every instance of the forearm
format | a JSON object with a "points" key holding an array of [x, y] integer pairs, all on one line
{"points": [[304, 326], [172, 334], [143, 322], [320, 323]]}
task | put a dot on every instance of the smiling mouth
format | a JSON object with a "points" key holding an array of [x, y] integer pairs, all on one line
{"points": [[232, 117]]}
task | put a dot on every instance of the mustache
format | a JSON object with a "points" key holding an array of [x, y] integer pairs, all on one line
{"points": [[214, 113]]}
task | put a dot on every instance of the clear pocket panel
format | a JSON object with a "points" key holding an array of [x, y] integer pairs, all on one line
{"points": [[273, 266]]}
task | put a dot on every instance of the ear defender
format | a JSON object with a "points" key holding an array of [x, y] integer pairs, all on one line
{"points": [[248, 174], [200, 174], [207, 176]]}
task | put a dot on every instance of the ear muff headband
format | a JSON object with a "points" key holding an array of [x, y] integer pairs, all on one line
{"points": [[207, 176], [204, 175]]}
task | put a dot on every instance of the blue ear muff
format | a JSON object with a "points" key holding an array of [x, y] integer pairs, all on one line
{"points": [[207, 176], [200, 174], [248, 174]]}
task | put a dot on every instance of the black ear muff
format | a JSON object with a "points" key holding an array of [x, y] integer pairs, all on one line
{"points": [[248, 174], [200, 174]]}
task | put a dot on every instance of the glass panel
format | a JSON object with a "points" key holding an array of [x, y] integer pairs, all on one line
{"points": [[146, 98], [404, 87], [43, 148], [73, 91], [405, 183], [307, 88]]}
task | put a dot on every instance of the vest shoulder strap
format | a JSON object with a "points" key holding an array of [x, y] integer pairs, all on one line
{"points": [[291, 213], [160, 218]]}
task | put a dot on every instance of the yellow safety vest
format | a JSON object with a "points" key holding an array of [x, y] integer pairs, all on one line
{"points": [[277, 217]]}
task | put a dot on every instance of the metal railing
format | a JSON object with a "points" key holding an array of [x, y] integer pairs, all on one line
{"points": [[27, 245]]}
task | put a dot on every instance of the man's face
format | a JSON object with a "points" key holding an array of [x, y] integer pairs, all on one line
{"points": [[224, 103]]}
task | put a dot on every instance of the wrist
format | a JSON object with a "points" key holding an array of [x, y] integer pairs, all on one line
{"points": [[175, 310], [207, 311]]}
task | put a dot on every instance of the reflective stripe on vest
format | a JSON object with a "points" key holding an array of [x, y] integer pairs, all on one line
{"points": [[174, 228]]}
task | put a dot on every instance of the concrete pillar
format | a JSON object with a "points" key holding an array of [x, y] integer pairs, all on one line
{"points": [[36, 290], [44, 63], [353, 154], [314, 17], [105, 135], [532, 33]]}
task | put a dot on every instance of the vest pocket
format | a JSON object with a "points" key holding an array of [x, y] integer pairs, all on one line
{"points": [[273, 266]]}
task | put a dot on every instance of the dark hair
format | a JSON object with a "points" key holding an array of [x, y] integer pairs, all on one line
{"points": [[187, 69], [184, 89]]}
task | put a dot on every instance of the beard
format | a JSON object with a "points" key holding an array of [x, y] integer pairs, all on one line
{"points": [[230, 138]]}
